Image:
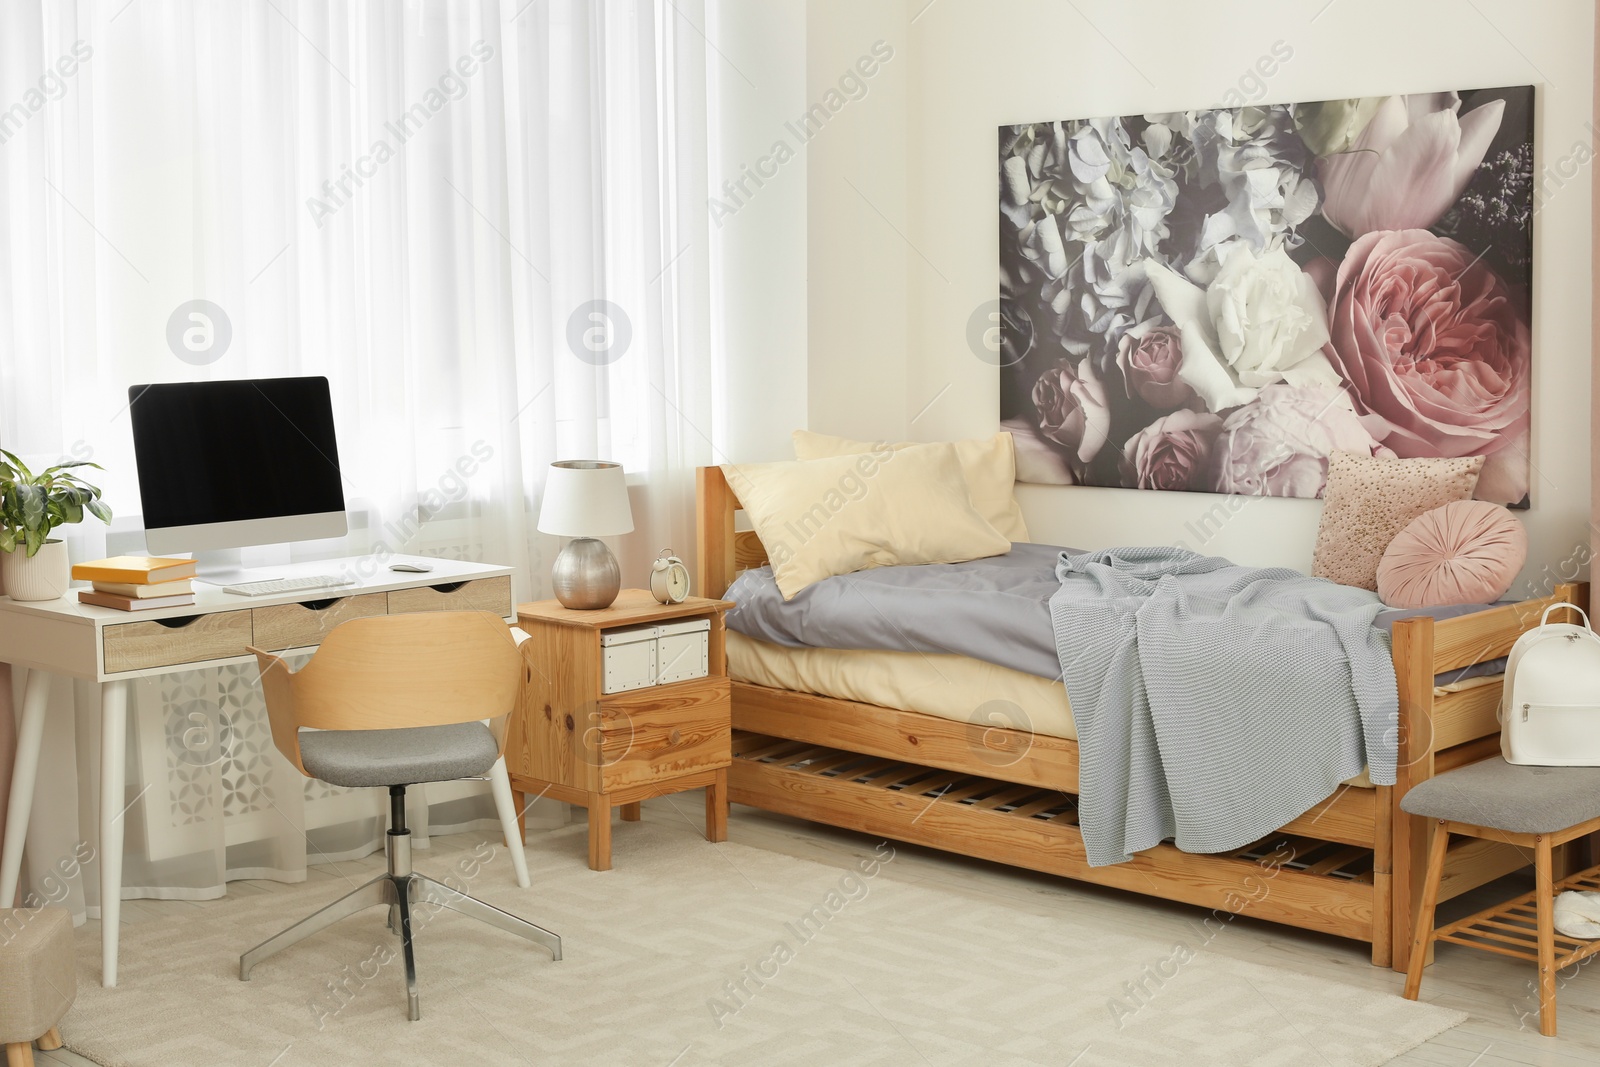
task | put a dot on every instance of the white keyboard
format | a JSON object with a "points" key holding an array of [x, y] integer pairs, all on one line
{"points": [[275, 586]]}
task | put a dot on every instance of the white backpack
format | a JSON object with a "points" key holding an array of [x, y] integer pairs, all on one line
{"points": [[1550, 705]]}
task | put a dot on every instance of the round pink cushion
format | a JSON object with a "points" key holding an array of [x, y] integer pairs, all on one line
{"points": [[1466, 552]]}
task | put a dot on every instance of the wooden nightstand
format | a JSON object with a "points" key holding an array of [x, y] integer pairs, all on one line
{"points": [[570, 741]]}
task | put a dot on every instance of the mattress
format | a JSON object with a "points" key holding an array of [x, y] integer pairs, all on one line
{"points": [[951, 687]]}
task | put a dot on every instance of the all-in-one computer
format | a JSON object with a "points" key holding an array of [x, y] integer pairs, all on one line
{"points": [[233, 464]]}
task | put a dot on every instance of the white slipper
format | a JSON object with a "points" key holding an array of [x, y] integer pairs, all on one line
{"points": [[1578, 914]]}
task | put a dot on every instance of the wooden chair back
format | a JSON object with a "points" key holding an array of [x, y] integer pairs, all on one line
{"points": [[392, 671]]}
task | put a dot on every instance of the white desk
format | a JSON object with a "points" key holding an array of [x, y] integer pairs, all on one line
{"points": [[113, 647]]}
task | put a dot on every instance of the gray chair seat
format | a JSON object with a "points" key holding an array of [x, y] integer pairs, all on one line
{"points": [[1524, 800], [361, 758]]}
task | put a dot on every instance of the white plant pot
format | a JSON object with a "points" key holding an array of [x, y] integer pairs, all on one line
{"points": [[43, 576]]}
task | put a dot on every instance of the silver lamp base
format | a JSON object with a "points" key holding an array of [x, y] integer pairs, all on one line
{"points": [[586, 576]]}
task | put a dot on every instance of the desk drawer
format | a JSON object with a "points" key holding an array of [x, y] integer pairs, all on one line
{"points": [[297, 625], [133, 646], [665, 731], [482, 594]]}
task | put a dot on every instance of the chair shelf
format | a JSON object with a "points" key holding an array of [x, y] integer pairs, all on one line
{"points": [[1511, 929]]}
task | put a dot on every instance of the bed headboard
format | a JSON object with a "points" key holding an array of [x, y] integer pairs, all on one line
{"points": [[722, 550]]}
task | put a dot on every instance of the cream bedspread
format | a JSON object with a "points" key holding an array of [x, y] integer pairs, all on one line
{"points": [[952, 687]]}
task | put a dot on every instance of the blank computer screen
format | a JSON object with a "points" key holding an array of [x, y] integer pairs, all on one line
{"points": [[229, 451]]}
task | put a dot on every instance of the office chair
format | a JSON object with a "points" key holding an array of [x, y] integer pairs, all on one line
{"points": [[398, 700]]}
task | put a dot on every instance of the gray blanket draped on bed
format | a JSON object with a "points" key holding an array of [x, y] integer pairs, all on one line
{"points": [[1215, 703]]}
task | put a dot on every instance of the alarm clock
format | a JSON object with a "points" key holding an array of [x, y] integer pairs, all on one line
{"points": [[669, 578]]}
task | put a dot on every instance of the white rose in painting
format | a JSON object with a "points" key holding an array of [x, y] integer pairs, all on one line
{"points": [[1260, 321], [1268, 315]]}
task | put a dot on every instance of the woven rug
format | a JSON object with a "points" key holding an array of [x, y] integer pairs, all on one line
{"points": [[690, 953]]}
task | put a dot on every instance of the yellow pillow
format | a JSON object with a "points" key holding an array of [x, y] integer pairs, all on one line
{"points": [[822, 517], [988, 465]]}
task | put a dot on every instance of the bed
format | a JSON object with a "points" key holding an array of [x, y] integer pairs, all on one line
{"points": [[1351, 866]]}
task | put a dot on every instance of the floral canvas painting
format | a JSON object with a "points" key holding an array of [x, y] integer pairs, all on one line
{"points": [[1215, 301]]}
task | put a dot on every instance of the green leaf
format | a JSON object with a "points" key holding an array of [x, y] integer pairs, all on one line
{"points": [[33, 500], [99, 511], [68, 466], [21, 467]]}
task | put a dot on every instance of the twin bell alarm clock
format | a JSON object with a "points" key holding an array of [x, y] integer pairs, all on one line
{"points": [[669, 579]]}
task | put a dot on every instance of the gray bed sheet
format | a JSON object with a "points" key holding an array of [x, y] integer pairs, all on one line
{"points": [[995, 609]]}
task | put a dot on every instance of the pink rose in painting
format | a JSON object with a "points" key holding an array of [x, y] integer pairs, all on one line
{"points": [[1279, 444], [1073, 412], [1437, 346], [1150, 368], [1174, 452], [1409, 164]]}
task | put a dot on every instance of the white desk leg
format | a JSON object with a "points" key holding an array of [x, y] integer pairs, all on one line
{"points": [[113, 760], [30, 734], [500, 786]]}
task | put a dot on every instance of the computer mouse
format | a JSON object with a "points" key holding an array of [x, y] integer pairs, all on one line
{"points": [[413, 568]]}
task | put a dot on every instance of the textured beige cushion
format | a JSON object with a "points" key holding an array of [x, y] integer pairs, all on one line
{"points": [[822, 517], [988, 464], [1368, 500], [38, 977]]}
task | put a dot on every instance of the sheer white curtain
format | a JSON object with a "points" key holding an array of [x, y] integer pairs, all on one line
{"points": [[483, 221]]}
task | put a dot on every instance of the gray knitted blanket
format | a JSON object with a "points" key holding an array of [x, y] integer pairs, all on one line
{"points": [[1215, 703]]}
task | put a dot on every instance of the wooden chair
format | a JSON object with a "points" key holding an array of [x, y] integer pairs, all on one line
{"points": [[392, 701], [1534, 808]]}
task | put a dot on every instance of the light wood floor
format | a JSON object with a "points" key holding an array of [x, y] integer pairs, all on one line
{"points": [[1496, 992]]}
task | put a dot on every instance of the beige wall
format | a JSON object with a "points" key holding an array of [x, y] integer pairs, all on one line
{"points": [[893, 284], [860, 278]]}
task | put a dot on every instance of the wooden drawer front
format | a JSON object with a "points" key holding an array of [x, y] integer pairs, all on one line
{"points": [[483, 594], [296, 625], [133, 646], [664, 731]]}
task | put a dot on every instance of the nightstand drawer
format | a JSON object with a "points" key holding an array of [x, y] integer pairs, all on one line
{"points": [[484, 594], [665, 731], [133, 646], [297, 625]]}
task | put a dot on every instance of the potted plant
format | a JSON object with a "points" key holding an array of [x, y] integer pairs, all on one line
{"points": [[33, 565]]}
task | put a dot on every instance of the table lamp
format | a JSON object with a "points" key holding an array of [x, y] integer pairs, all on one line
{"points": [[585, 499]]}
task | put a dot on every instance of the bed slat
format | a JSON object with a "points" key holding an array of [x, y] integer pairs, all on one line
{"points": [[1335, 905]]}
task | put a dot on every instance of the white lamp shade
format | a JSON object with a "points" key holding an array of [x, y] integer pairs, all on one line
{"points": [[585, 498]]}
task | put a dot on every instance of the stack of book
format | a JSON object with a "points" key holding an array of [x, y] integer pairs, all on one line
{"points": [[136, 583]]}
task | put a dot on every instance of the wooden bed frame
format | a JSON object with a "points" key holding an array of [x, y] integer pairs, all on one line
{"points": [[1351, 866]]}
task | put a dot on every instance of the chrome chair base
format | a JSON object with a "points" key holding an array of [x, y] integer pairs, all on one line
{"points": [[401, 889]]}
